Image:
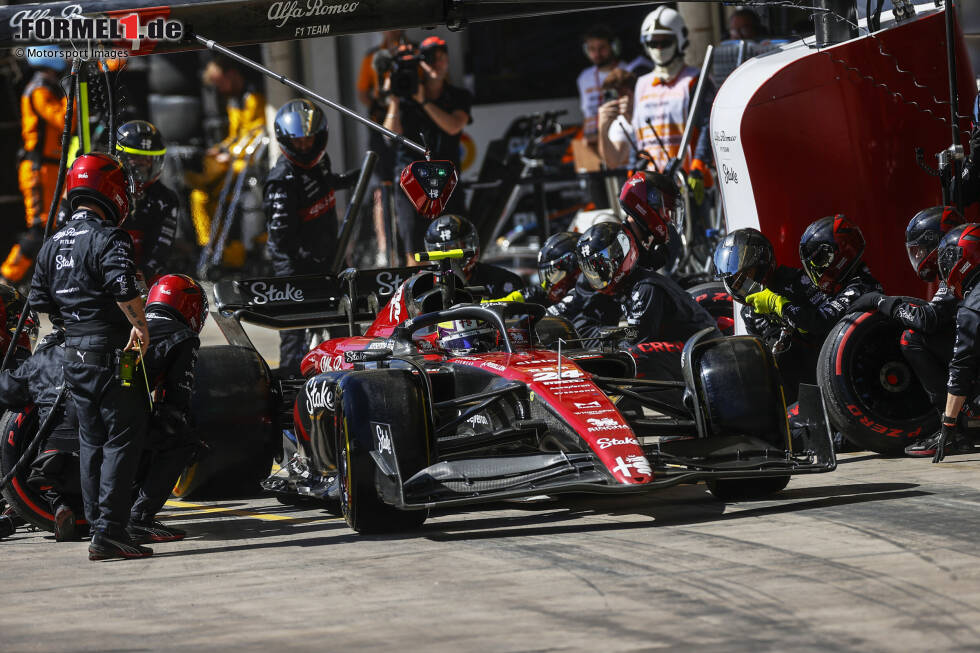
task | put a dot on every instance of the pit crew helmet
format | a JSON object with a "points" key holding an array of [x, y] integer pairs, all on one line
{"points": [[558, 265], [47, 56], [830, 250], [607, 254], [140, 148], [453, 232], [744, 261], [181, 297], [922, 236], [102, 180], [466, 336], [959, 257], [648, 199], [659, 23], [301, 130]]}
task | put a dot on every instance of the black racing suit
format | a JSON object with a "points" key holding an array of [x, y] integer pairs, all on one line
{"points": [[302, 219], [153, 227], [810, 314], [170, 361], [55, 471], [927, 342], [665, 316], [588, 310], [964, 366], [83, 270]]}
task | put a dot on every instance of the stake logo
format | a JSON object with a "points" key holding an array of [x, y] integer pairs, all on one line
{"points": [[71, 25]]}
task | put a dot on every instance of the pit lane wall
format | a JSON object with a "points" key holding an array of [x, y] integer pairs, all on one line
{"points": [[802, 133]]}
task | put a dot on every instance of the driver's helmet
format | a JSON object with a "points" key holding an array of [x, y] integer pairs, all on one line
{"points": [[453, 232], [830, 251], [558, 266], [607, 255], [140, 148], [744, 260], [466, 336], [923, 234]]}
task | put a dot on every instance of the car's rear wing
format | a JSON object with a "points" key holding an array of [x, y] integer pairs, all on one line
{"points": [[304, 301]]}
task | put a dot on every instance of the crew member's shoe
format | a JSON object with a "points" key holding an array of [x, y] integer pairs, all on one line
{"points": [[64, 524], [106, 547], [926, 448], [144, 532]]}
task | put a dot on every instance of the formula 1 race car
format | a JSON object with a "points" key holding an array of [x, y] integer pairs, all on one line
{"points": [[445, 402]]}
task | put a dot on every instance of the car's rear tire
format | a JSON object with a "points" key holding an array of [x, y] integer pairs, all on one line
{"points": [[872, 395], [734, 489], [234, 415], [713, 298], [369, 400], [17, 431]]}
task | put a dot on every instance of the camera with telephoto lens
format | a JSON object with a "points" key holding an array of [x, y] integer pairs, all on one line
{"points": [[406, 71]]}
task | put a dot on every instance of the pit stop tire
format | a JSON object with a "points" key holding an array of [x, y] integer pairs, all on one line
{"points": [[713, 298], [369, 400], [871, 393], [233, 411], [734, 489], [17, 431]]}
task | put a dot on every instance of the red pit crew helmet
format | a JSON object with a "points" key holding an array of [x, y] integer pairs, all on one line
{"points": [[182, 297]]}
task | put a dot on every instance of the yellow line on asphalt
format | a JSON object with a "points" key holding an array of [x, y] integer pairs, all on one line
{"points": [[201, 508]]}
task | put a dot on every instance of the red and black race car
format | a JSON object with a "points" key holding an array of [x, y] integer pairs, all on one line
{"points": [[446, 402]]}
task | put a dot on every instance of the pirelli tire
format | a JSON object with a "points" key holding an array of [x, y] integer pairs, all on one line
{"points": [[233, 412], [872, 395], [18, 430], [382, 415], [713, 298]]}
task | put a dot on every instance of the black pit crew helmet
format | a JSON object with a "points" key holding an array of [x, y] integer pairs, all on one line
{"points": [[959, 258], [744, 261], [558, 265], [830, 251], [607, 255], [140, 148], [301, 130], [453, 232], [922, 236]]}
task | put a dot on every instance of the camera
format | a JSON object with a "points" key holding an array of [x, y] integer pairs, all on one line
{"points": [[608, 95], [406, 71]]}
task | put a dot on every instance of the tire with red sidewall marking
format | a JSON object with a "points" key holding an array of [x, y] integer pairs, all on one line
{"points": [[713, 298], [18, 429], [872, 395]]}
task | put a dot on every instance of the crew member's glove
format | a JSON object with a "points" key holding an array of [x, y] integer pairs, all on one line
{"points": [[695, 182], [867, 302], [766, 301], [948, 436]]}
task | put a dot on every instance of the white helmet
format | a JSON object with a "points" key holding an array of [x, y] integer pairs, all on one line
{"points": [[663, 21]]}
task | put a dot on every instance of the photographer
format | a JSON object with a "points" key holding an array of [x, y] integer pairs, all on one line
{"points": [[435, 112], [615, 129], [601, 47]]}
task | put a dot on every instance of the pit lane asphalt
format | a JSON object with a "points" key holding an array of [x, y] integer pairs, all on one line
{"points": [[878, 555]]}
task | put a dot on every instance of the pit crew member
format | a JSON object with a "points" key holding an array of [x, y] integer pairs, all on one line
{"points": [[456, 232], [663, 314], [42, 108], [301, 208], [85, 275], [958, 256], [570, 295], [927, 343]]}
